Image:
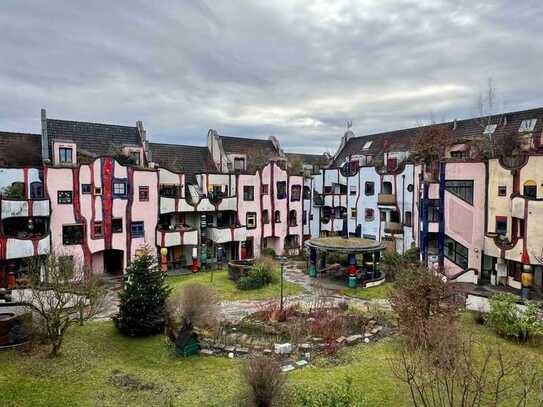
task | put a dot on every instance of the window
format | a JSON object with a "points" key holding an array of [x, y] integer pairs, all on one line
{"points": [[72, 234], [369, 188], [367, 145], [490, 128], [382, 216], [36, 190], [250, 220], [144, 193], [134, 157], [501, 225], [350, 168], [408, 220], [340, 212], [392, 163], [307, 192], [97, 190], [461, 189], [265, 216], [65, 155], [86, 188], [64, 197], [304, 217], [119, 188], [295, 193], [248, 193], [433, 210], [265, 189], [326, 214], [369, 214], [502, 190], [328, 189], [116, 225], [353, 213], [239, 164], [281, 190], [97, 229], [395, 216], [170, 190], [387, 187], [277, 217], [527, 125], [137, 229], [352, 190], [459, 155], [530, 189], [456, 253], [410, 188], [292, 221]]}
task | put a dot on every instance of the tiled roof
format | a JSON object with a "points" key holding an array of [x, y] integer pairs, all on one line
{"points": [[402, 140], [20, 149], [258, 151], [313, 159], [96, 139], [189, 160]]}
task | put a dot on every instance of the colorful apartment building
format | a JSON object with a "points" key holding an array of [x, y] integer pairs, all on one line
{"points": [[100, 192]]}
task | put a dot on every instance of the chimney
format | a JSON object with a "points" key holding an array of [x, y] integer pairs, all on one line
{"points": [[143, 140], [44, 138], [454, 124]]}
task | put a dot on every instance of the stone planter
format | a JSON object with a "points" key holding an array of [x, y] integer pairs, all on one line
{"points": [[239, 268]]}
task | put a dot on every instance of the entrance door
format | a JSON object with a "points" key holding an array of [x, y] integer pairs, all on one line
{"points": [[488, 266], [113, 262]]}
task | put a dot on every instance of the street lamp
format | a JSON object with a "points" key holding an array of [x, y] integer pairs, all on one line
{"points": [[282, 260]]}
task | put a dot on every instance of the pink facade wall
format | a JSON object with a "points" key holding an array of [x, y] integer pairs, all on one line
{"points": [[92, 210], [464, 222]]}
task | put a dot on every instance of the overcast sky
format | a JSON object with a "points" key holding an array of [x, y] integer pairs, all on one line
{"points": [[294, 69]]}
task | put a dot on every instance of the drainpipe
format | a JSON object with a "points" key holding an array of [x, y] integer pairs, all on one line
{"points": [[424, 215], [402, 219], [441, 214]]}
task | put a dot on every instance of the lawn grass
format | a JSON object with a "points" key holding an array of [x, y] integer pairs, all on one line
{"points": [[227, 289], [81, 375], [373, 293]]}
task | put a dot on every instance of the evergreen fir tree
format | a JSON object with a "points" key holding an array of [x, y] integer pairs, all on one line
{"points": [[143, 298]]}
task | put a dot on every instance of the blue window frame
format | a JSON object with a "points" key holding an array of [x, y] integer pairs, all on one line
{"points": [[137, 229], [120, 188]]}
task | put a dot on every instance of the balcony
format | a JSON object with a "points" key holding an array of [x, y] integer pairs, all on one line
{"points": [[386, 199], [20, 248], [227, 234], [393, 228], [22, 208], [179, 236]]}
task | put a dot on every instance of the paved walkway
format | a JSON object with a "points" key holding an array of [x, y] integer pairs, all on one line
{"points": [[317, 291]]}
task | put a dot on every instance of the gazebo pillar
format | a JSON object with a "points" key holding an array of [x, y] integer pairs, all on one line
{"points": [[351, 270], [322, 264], [312, 262]]}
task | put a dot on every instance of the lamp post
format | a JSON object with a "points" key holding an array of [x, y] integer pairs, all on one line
{"points": [[282, 260]]}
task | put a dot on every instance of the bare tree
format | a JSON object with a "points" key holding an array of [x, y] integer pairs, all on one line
{"points": [[62, 295]]}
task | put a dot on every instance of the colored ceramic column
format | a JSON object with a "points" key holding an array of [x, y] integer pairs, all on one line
{"points": [[312, 262]]}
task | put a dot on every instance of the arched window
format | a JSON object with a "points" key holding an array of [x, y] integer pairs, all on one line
{"points": [[530, 189], [36, 190], [387, 187], [292, 218], [277, 217]]}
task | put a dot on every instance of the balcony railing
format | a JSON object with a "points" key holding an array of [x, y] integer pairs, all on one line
{"points": [[227, 234], [394, 228], [386, 199]]}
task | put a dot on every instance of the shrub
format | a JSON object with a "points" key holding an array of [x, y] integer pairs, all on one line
{"points": [[269, 252], [193, 305], [509, 321], [423, 302], [261, 274], [337, 395], [266, 384], [143, 299]]}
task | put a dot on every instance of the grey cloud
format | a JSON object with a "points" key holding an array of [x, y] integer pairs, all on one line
{"points": [[293, 69]]}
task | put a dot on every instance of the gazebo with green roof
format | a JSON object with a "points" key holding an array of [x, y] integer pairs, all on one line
{"points": [[352, 246]]}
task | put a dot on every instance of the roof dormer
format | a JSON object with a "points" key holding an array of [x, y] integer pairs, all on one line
{"points": [[527, 125], [64, 153]]}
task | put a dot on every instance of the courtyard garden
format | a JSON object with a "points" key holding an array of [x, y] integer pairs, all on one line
{"points": [[406, 342]]}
